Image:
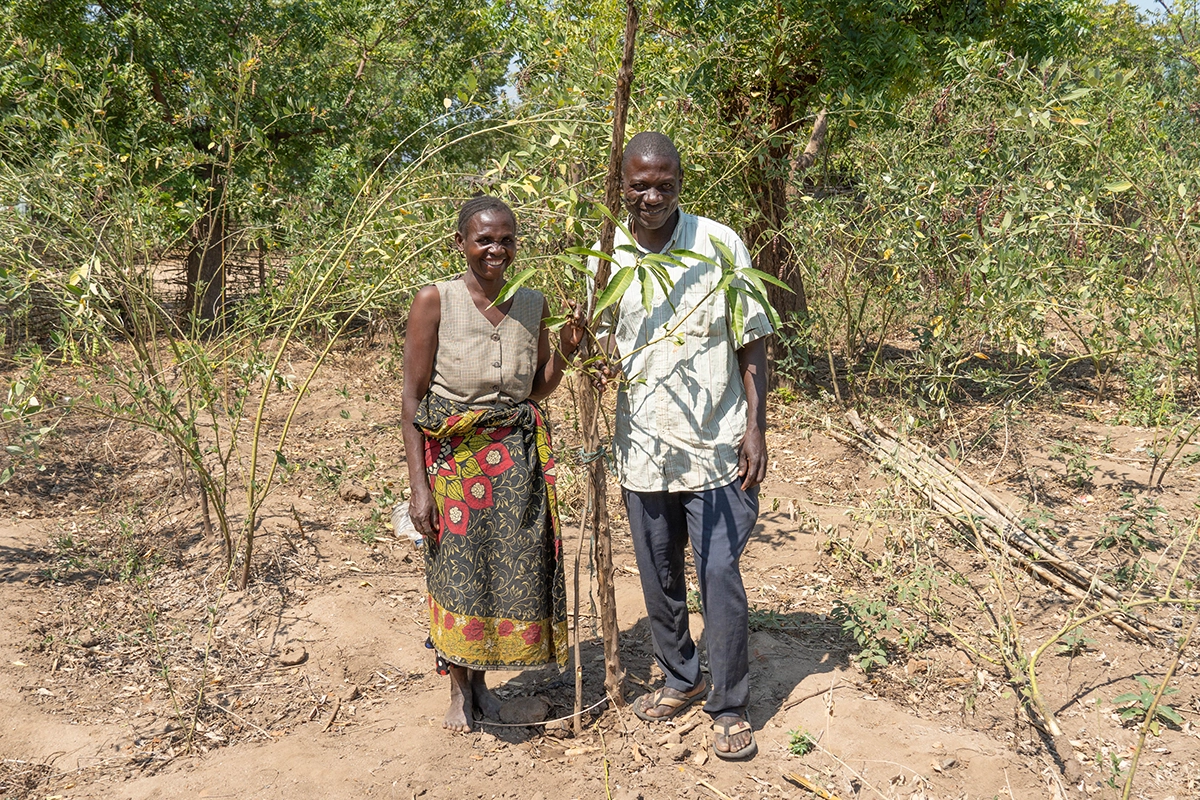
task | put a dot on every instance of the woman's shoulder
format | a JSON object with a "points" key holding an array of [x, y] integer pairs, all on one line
{"points": [[429, 293]]}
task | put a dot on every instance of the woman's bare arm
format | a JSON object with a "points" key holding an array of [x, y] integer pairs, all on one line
{"points": [[420, 347], [552, 362]]}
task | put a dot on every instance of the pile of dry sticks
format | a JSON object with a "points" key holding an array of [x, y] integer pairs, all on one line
{"points": [[976, 510]]}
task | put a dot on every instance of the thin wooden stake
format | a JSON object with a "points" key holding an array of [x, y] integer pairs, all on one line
{"points": [[578, 719], [590, 401]]}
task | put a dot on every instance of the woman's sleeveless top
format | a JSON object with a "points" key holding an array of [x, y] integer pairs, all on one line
{"points": [[481, 364]]}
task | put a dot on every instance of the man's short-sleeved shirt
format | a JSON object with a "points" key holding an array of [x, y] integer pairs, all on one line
{"points": [[681, 418]]}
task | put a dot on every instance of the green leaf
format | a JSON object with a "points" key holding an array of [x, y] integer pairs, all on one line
{"points": [[682, 254], [725, 253], [1166, 712], [1118, 187], [760, 296], [615, 289], [1075, 95], [664, 259], [765, 277], [737, 320], [620, 225], [590, 253], [643, 276], [516, 282], [573, 263]]}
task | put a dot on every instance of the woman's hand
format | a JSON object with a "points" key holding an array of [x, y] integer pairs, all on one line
{"points": [[571, 335], [422, 510]]}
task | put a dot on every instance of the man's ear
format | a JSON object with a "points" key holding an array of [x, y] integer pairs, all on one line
{"points": [[459, 242]]}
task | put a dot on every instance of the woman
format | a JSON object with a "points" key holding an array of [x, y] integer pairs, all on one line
{"points": [[480, 465]]}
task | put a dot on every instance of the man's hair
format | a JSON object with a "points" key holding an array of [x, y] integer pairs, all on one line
{"points": [[480, 204], [651, 144]]}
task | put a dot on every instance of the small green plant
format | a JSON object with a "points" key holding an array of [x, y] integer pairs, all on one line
{"points": [[1151, 400], [367, 532], [765, 619], [1134, 527], [19, 407], [865, 621], [1130, 574], [1042, 521], [800, 742], [786, 395], [1079, 472], [1137, 704], [1111, 765], [1074, 643], [329, 472]]}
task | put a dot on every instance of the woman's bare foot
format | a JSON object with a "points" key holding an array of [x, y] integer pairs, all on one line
{"points": [[484, 701], [458, 716]]}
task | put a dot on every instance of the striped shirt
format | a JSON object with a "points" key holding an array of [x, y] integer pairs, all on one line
{"points": [[681, 418]]}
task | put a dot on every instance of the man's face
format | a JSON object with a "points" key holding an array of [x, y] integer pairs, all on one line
{"points": [[651, 187]]}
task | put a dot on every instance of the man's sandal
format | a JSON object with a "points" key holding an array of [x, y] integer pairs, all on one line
{"points": [[666, 702], [726, 728]]}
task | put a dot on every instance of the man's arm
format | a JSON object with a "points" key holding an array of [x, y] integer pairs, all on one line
{"points": [[752, 460]]}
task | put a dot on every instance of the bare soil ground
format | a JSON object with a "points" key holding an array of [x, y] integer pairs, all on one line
{"points": [[315, 682]]}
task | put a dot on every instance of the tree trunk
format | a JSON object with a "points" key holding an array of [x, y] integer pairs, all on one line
{"points": [[205, 297], [769, 186], [261, 247]]}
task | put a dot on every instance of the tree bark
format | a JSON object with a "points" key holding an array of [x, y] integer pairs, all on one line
{"points": [[769, 186], [205, 297]]}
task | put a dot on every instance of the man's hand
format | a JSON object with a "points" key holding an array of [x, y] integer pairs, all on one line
{"points": [[752, 458], [607, 373]]}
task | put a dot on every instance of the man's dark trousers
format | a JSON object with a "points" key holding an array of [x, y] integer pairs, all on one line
{"points": [[718, 522]]}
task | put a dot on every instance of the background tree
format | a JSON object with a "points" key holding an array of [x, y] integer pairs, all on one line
{"points": [[779, 63], [287, 107]]}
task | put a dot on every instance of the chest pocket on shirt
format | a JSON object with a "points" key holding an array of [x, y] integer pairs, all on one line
{"points": [[692, 293]]}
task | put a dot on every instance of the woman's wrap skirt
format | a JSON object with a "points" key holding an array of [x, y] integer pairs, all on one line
{"points": [[494, 570]]}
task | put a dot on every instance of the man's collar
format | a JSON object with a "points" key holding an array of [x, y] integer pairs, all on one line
{"points": [[671, 243]]}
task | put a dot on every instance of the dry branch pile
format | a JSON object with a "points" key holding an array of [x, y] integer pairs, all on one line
{"points": [[976, 510]]}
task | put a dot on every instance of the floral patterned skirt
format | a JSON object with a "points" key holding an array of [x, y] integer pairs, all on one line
{"points": [[494, 570]]}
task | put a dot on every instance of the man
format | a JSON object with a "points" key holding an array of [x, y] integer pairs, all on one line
{"points": [[689, 444]]}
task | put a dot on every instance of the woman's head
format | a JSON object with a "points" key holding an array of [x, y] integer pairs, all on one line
{"points": [[480, 204], [487, 237]]}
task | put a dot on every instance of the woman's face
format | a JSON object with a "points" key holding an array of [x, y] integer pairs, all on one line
{"points": [[490, 244]]}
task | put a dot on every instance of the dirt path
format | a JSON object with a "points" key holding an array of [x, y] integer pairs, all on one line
{"points": [[388, 741]]}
